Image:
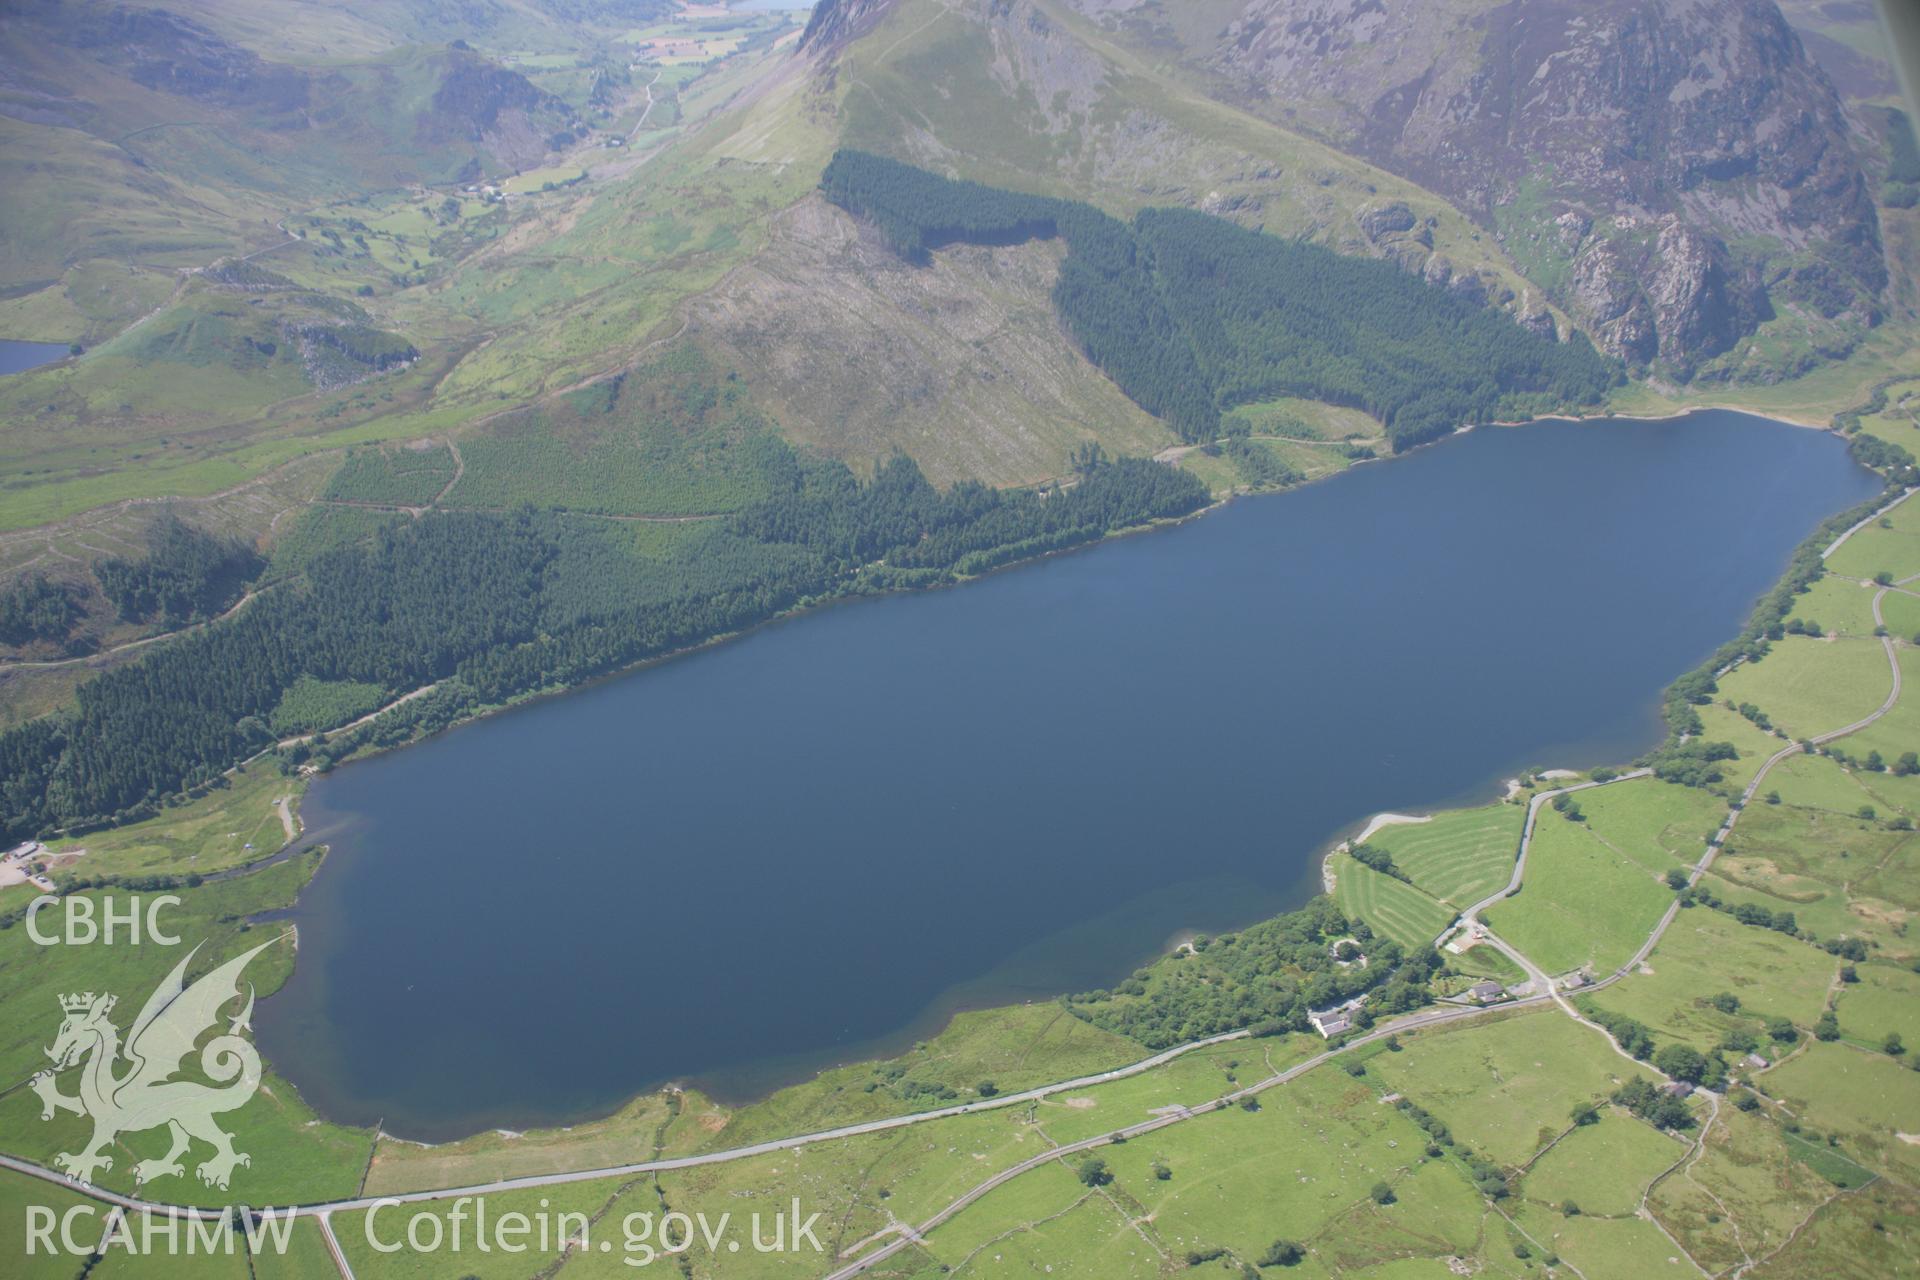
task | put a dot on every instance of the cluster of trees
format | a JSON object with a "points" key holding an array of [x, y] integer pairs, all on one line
{"points": [[1267, 977], [1748, 913], [1759, 917], [491, 606], [1885, 457], [1653, 1104], [187, 575], [1371, 855], [1679, 1061], [1692, 762], [34, 607], [1259, 466], [1191, 314], [1487, 1176]]}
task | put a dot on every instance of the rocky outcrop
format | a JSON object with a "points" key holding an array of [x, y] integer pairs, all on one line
{"points": [[1673, 168], [834, 23], [499, 109], [164, 51]]}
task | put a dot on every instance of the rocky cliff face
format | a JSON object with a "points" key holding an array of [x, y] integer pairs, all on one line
{"points": [[476, 106], [1670, 169], [501, 110], [164, 51], [834, 22]]}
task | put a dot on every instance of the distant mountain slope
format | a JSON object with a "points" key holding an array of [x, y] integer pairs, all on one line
{"points": [[137, 133], [1676, 174], [1673, 170]]}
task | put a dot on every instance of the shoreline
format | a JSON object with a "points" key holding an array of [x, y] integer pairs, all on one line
{"points": [[946, 1016]]}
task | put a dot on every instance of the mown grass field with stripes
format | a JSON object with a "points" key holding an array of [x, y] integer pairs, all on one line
{"points": [[1460, 857], [1393, 907]]}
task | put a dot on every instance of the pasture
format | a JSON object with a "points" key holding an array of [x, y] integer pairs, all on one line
{"points": [[1705, 953], [1583, 902], [1393, 907], [1460, 856], [1506, 1087], [1866, 1099], [1604, 1168], [1809, 687], [1890, 545]]}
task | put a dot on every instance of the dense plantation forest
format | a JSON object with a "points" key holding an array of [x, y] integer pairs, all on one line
{"points": [[34, 607], [1267, 977], [497, 605], [187, 575], [1192, 314]]}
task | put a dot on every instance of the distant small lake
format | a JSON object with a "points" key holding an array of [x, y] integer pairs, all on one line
{"points": [[18, 357], [819, 840]]}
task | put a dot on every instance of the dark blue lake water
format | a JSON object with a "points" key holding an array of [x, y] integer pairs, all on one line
{"points": [[17, 357], [793, 849]]}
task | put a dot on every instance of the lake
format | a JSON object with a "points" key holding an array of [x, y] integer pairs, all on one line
{"points": [[18, 357], [814, 843]]}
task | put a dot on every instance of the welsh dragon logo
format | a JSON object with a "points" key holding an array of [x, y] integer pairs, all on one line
{"points": [[144, 1095]]}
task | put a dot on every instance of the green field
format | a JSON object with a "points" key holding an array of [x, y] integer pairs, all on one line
{"points": [[205, 835], [1885, 1001], [1706, 953], [1583, 903], [1810, 687], [1841, 604], [1393, 907], [1866, 1099], [1898, 731], [1604, 1168], [1655, 824], [1460, 857], [1841, 874], [1720, 723], [1507, 1086], [295, 1155], [1890, 545]]}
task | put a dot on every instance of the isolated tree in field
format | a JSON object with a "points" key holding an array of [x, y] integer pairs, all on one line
{"points": [[1893, 1044], [1782, 1030], [1676, 879], [1282, 1253], [1827, 1028], [986, 1088], [1907, 764], [1568, 1209], [1726, 1002], [1746, 1100], [1094, 1173], [1586, 1113], [1381, 1193]]}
